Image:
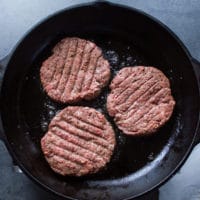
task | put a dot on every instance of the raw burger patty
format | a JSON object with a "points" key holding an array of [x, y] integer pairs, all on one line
{"points": [[140, 100], [76, 70], [79, 141]]}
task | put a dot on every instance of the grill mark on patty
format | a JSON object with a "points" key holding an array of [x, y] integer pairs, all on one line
{"points": [[151, 87], [96, 74], [56, 48], [87, 122], [63, 67], [79, 59], [60, 160], [53, 73], [128, 77], [113, 84], [66, 91], [131, 110], [93, 69], [79, 140], [62, 165], [101, 73], [123, 78], [80, 158], [66, 154], [73, 57], [146, 110], [86, 70], [57, 169], [83, 58], [122, 90], [85, 135], [142, 91], [58, 69], [153, 112], [124, 103], [137, 120], [99, 120], [132, 87], [146, 119], [67, 66], [87, 131], [127, 107], [49, 75], [74, 148], [83, 69], [85, 66], [84, 126]]}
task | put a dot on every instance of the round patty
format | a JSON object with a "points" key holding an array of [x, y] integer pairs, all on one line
{"points": [[79, 141], [76, 70], [140, 100]]}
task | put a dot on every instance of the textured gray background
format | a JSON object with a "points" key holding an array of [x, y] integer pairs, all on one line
{"points": [[17, 16], [182, 16]]}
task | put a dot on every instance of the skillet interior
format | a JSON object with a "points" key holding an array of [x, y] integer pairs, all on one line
{"points": [[138, 164]]}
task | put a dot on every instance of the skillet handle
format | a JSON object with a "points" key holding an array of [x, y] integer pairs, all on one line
{"points": [[1, 135], [196, 65], [3, 65]]}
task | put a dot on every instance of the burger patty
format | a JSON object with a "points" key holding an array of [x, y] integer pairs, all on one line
{"points": [[76, 70], [79, 141], [140, 100]]}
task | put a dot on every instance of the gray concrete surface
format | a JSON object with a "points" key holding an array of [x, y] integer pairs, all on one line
{"points": [[182, 16]]}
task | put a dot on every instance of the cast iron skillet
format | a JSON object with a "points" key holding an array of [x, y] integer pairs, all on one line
{"points": [[127, 37]]}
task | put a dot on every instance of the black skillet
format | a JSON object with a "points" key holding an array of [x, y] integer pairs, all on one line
{"points": [[127, 37]]}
